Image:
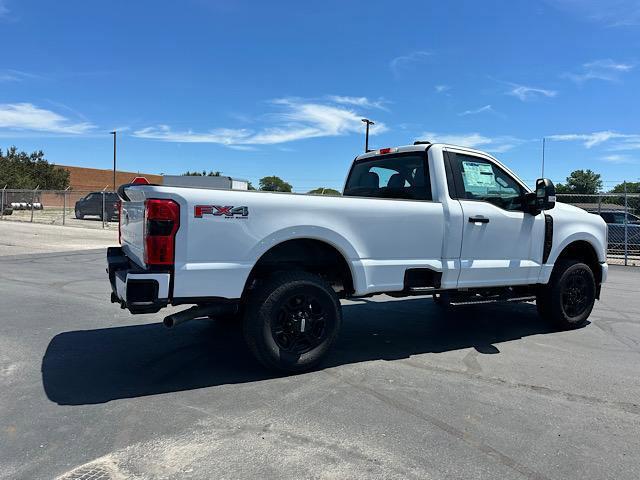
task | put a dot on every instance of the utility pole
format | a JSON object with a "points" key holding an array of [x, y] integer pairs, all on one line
{"points": [[114, 159], [366, 138]]}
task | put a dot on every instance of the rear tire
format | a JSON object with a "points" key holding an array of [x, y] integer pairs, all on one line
{"points": [[569, 297], [291, 321]]}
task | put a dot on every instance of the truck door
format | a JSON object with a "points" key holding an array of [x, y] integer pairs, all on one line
{"points": [[501, 243]]}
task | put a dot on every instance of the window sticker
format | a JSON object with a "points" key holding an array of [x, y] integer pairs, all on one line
{"points": [[478, 174]]}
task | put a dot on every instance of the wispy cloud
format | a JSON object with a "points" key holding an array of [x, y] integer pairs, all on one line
{"points": [[442, 88], [406, 62], [524, 92], [632, 142], [28, 117], [120, 129], [4, 11], [609, 65], [10, 75], [242, 148], [590, 140], [485, 109], [607, 70], [363, 102], [617, 13], [498, 144], [298, 120], [64, 106], [618, 159]]}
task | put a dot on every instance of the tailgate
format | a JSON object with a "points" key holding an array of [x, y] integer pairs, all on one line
{"points": [[132, 226]]}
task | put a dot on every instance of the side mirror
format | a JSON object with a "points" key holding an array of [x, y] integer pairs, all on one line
{"points": [[545, 194], [544, 198]]}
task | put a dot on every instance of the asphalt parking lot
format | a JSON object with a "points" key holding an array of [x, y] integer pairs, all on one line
{"points": [[409, 391]]}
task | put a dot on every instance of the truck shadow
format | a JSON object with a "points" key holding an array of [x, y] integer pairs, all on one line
{"points": [[96, 366]]}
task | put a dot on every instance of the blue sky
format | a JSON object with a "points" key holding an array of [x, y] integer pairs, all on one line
{"points": [[256, 88]]}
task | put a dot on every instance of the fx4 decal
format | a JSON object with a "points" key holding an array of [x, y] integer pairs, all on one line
{"points": [[220, 211]]}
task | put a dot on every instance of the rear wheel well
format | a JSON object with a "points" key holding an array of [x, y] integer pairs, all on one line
{"points": [[585, 253], [309, 255]]}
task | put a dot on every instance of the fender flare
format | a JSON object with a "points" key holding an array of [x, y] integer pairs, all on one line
{"points": [[576, 237], [321, 234]]}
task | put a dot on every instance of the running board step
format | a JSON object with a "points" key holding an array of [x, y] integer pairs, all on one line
{"points": [[422, 289], [494, 300]]}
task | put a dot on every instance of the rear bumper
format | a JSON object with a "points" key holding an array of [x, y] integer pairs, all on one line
{"points": [[138, 290]]}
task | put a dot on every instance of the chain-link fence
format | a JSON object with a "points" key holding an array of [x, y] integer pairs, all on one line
{"points": [[61, 207], [621, 212]]}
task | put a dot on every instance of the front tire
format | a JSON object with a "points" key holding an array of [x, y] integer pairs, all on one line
{"points": [[291, 321], [79, 214], [569, 297]]}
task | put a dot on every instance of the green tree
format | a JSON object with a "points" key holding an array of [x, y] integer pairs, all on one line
{"points": [[631, 187], [633, 203], [274, 184], [324, 191], [204, 173], [22, 170], [581, 181], [250, 186]]}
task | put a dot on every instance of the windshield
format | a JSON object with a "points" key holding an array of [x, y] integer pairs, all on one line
{"points": [[393, 176]]}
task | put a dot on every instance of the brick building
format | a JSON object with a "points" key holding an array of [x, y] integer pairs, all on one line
{"points": [[82, 179]]}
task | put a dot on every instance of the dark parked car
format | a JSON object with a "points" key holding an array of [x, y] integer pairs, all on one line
{"points": [[615, 223], [92, 204]]}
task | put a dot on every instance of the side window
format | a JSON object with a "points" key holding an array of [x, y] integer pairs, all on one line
{"points": [[479, 179], [390, 176], [618, 217], [607, 217]]}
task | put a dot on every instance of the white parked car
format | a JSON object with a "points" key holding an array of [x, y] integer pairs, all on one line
{"points": [[425, 219]]}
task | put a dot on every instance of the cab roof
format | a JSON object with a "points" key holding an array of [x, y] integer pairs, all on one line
{"points": [[420, 146]]}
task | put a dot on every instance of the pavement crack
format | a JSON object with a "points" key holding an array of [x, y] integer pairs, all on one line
{"points": [[444, 426], [625, 407], [605, 326]]}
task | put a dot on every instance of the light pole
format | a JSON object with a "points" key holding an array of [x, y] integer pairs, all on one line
{"points": [[366, 138], [114, 133]]}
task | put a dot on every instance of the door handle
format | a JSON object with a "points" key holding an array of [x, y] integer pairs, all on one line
{"points": [[478, 219]]}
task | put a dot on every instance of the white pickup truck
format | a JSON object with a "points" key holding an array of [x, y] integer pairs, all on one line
{"points": [[424, 219]]}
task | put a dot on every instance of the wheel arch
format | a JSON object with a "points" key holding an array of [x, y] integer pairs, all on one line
{"points": [[584, 251], [307, 253]]}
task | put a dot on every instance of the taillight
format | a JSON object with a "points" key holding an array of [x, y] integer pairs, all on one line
{"points": [[161, 222]]}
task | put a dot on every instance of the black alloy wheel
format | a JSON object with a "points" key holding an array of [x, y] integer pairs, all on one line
{"points": [[300, 323], [575, 293]]}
